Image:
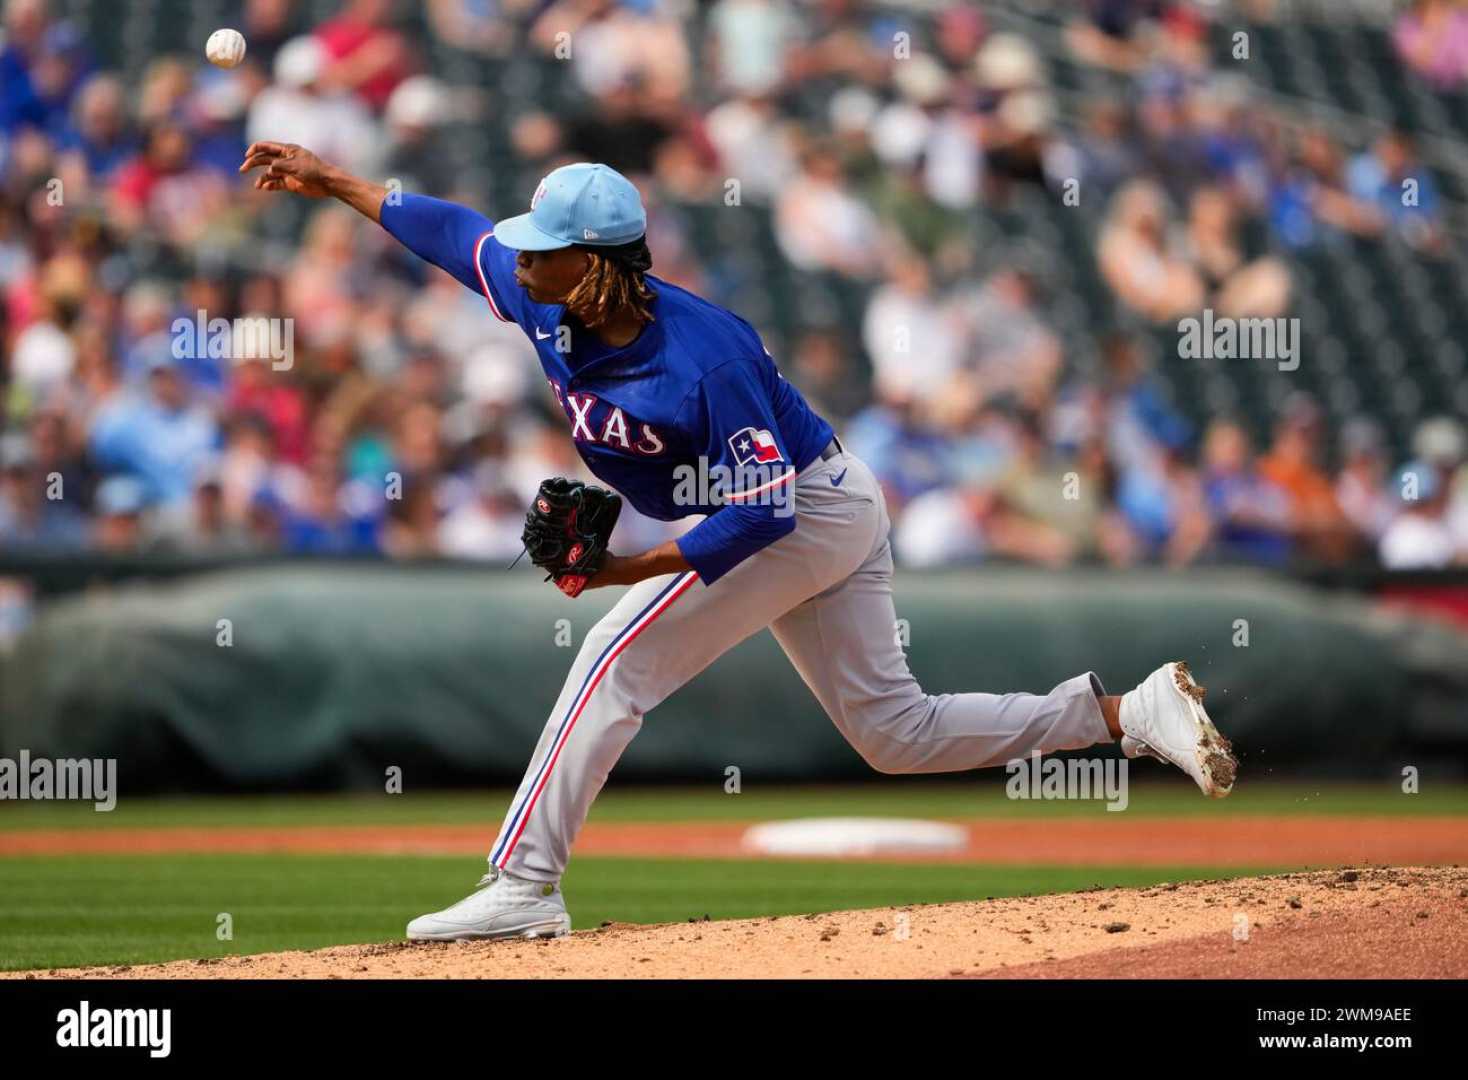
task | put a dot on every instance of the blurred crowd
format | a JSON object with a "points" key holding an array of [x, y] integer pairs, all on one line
{"points": [[411, 423]]}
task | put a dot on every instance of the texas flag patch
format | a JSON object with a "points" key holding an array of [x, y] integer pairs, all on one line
{"points": [[754, 445]]}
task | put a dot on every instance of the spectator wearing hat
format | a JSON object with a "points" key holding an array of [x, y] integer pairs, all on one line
{"points": [[1442, 442], [1419, 538], [156, 433], [121, 503], [419, 154], [302, 106]]}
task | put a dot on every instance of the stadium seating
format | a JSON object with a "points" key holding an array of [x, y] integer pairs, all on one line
{"points": [[1381, 325]]}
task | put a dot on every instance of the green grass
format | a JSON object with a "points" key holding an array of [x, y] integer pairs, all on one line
{"points": [[64, 912], [1152, 793]]}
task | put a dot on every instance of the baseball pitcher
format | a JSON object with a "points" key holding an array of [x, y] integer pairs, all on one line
{"points": [[674, 402]]}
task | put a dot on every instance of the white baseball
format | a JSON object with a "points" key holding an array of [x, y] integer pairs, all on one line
{"points": [[225, 48]]}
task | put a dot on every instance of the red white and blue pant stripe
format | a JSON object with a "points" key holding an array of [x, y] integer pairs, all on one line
{"points": [[525, 806]]}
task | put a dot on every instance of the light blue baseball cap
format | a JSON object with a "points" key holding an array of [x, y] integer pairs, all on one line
{"points": [[577, 204]]}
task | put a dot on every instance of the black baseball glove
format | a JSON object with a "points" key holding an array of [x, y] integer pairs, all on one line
{"points": [[567, 529]]}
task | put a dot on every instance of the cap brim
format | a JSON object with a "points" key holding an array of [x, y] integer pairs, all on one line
{"points": [[522, 234]]}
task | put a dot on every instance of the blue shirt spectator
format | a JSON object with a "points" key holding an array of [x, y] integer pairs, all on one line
{"points": [[1391, 178], [907, 458], [156, 435], [335, 519]]}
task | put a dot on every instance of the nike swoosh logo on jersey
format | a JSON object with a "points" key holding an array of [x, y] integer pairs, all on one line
{"points": [[836, 480], [539, 336]]}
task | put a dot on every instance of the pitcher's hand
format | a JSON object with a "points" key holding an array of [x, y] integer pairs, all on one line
{"points": [[288, 167]]}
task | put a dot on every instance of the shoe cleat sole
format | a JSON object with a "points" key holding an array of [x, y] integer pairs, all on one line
{"points": [[1215, 753], [540, 930]]}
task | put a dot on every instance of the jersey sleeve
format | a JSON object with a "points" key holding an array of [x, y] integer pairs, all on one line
{"points": [[460, 241], [729, 416]]}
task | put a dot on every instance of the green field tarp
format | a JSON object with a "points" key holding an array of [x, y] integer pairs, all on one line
{"points": [[333, 674]]}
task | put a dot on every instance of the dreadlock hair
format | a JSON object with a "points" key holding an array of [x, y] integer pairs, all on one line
{"points": [[615, 281]]}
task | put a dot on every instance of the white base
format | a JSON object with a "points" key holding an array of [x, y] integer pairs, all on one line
{"points": [[854, 836]]}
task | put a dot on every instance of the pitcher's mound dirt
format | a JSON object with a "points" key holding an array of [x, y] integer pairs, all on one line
{"points": [[1367, 923]]}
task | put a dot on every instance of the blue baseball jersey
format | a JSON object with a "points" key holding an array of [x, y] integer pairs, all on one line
{"points": [[694, 398]]}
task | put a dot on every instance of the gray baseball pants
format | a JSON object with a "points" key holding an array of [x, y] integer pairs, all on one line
{"points": [[825, 592]]}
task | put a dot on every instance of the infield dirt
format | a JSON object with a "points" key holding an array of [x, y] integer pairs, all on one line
{"points": [[1259, 841], [1395, 923]]}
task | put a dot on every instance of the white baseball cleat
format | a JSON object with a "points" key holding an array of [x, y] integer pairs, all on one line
{"points": [[503, 906], [1164, 718]]}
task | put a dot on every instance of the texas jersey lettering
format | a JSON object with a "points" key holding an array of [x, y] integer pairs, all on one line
{"points": [[593, 420]]}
